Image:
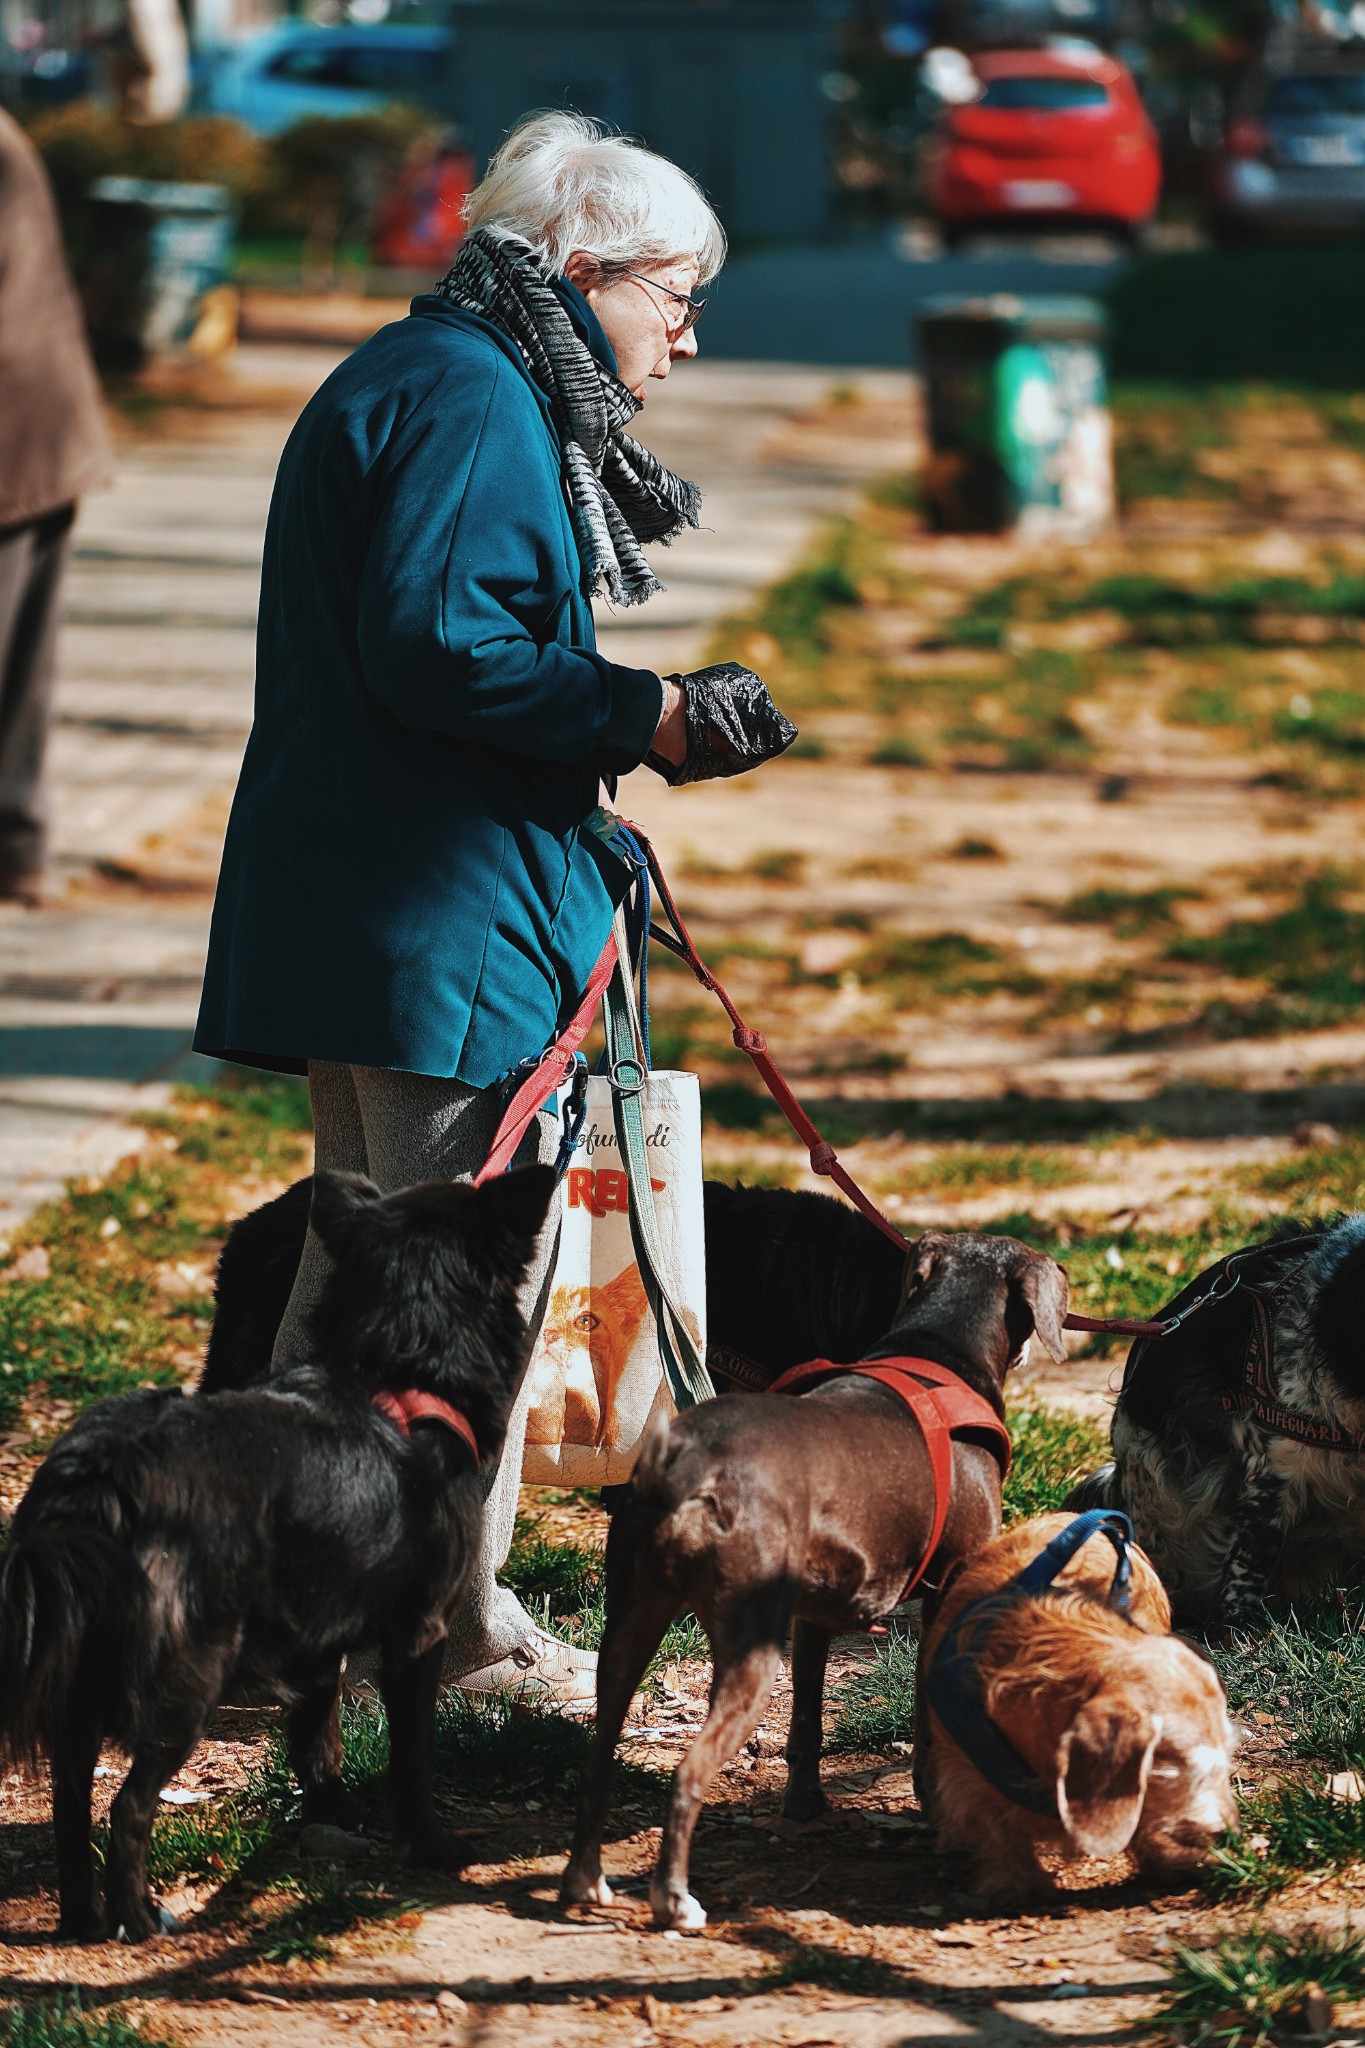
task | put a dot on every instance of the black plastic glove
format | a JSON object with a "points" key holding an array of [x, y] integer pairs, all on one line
{"points": [[732, 725]]}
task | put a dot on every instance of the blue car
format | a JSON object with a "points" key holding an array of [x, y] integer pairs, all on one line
{"points": [[269, 81]]}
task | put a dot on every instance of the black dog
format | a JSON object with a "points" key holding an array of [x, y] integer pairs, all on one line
{"points": [[174, 1554], [1238, 1440], [788, 1277]]}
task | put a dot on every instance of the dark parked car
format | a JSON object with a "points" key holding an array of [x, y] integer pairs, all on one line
{"points": [[1293, 155]]}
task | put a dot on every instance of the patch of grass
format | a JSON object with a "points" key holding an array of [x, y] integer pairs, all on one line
{"points": [[1160, 433], [1254, 1988], [1318, 1181], [969, 848], [64, 2022], [777, 864], [319, 1907], [794, 611], [1285, 1835], [1311, 711], [1132, 913], [1130, 1272], [508, 1745], [1052, 1452], [897, 751], [917, 968], [1307, 1669], [226, 1837], [1161, 611], [875, 1706], [561, 1575], [974, 1169], [102, 1322], [561, 1583], [1311, 954]]}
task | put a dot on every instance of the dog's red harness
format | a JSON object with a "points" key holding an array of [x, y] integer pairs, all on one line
{"points": [[405, 1405], [943, 1406]]}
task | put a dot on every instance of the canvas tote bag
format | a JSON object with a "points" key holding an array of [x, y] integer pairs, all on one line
{"points": [[624, 1335]]}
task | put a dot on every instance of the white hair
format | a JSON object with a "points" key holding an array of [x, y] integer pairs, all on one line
{"points": [[563, 182]]}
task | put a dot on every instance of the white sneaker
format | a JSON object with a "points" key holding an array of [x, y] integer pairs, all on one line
{"points": [[540, 1668]]}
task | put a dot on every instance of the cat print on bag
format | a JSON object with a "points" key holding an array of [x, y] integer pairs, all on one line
{"points": [[585, 1341]]}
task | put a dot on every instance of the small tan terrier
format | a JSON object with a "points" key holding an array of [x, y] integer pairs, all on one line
{"points": [[1057, 1711]]}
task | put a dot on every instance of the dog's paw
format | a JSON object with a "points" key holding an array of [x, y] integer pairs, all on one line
{"points": [[686, 1914], [577, 1889], [803, 1803], [435, 1849], [332, 1806]]}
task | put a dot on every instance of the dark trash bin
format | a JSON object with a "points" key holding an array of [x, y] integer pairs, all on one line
{"points": [[1018, 418], [155, 250]]}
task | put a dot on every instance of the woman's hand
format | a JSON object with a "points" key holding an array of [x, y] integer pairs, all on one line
{"points": [[717, 721], [670, 739]]}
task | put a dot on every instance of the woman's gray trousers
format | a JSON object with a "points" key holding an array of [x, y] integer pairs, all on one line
{"points": [[399, 1129]]}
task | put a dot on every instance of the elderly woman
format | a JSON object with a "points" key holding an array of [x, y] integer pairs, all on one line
{"points": [[412, 897]]}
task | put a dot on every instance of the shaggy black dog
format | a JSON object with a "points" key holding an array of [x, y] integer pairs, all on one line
{"points": [[788, 1277], [175, 1554], [1232, 1437]]}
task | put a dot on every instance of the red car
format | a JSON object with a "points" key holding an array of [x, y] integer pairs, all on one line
{"points": [[1053, 135]]}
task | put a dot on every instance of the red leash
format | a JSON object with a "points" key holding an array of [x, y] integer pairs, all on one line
{"points": [[823, 1157], [551, 1071]]}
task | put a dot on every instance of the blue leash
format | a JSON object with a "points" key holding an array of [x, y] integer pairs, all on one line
{"points": [[953, 1681]]}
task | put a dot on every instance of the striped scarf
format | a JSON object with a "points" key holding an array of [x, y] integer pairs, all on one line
{"points": [[619, 494]]}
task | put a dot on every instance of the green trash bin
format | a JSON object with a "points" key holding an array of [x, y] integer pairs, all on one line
{"points": [[1018, 417], [154, 250]]}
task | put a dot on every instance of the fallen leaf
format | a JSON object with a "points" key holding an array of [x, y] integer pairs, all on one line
{"points": [[1345, 1785]]}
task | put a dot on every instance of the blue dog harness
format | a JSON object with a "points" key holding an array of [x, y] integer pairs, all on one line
{"points": [[953, 1682]]}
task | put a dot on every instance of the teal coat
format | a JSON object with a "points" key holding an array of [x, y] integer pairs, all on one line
{"points": [[408, 879]]}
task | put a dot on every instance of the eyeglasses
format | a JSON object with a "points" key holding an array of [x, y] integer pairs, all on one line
{"points": [[692, 308]]}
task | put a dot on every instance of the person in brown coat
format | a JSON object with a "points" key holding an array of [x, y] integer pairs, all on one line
{"points": [[53, 447]]}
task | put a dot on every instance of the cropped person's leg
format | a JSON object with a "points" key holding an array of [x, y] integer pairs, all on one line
{"points": [[32, 559], [421, 1128], [339, 1145]]}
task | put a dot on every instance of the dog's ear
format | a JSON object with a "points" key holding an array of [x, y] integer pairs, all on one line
{"points": [[925, 1256], [1046, 1291], [517, 1204], [338, 1199], [1103, 1763]]}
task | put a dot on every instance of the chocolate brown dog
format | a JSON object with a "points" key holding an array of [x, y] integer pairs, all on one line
{"points": [[758, 1513]]}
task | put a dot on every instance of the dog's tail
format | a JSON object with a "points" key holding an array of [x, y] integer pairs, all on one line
{"points": [[1099, 1489], [72, 1601]]}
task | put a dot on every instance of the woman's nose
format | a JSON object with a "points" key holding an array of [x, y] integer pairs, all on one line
{"points": [[685, 345]]}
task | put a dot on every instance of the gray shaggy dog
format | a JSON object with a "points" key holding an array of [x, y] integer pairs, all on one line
{"points": [[1239, 1440]]}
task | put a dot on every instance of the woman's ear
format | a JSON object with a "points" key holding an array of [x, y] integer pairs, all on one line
{"points": [[583, 269]]}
